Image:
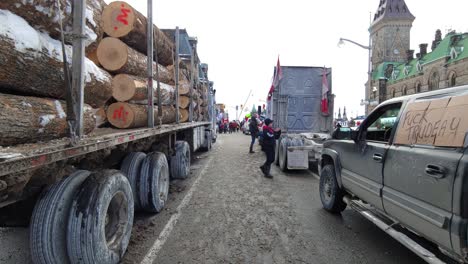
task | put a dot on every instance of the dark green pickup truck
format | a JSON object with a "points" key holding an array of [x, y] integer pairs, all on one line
{"points": [[408, 161]]}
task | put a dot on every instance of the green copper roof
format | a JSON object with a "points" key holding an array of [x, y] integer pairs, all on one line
{"points": [[458, 42], [461, 47]]}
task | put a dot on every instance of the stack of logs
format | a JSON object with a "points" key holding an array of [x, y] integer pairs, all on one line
{"points": [[32, 86]]}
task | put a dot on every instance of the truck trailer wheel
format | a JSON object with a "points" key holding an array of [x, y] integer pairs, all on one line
{"points": [[330, 193], [101, 219], [131, 167], [48, 229], [283, 154], [277, 146], [154, 182], [180, 162], [208, 140]]}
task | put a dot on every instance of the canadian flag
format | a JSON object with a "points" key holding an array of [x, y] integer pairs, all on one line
{"points": [[325, 90], [278, 74]]}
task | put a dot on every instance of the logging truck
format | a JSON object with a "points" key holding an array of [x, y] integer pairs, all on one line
{"points": [[95, 141], [295, 107]]}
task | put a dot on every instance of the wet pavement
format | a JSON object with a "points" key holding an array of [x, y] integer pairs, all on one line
{"points": [[227, 212], [235, 215]]}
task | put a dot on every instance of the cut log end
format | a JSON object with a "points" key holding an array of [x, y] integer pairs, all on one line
{"points": [[120, 115], [118, 19], [184, 101], [112, 54], [123, 87], [183, 115]]}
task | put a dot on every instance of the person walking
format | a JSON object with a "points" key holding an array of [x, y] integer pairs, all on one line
{"points": [[253, 129], [269, 140]]}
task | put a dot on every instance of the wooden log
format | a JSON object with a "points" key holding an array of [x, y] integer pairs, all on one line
{"points": [[32, 64], [43, 15], [120, 20], [26, 119], [182, 77], [184, 101], [101, 116], [117, 57], [133, 88], [184, 88], [184, 115], [126, 115]]}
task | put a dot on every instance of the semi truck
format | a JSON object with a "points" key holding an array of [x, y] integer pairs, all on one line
{"points": [[295, 107], [86, 188]]}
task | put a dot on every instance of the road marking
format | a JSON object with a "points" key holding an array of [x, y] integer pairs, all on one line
{"points": [[159, 243], [314, 175]]}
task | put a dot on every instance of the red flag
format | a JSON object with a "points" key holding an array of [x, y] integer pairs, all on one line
{"points": [[278, 74], [270, 93], [325, 91]]}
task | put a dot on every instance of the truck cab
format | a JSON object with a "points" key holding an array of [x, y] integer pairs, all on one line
{"points": [[408, 161]]}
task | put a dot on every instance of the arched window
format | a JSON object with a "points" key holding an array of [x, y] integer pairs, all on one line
{"points": [[393, 92], [404, 90], [418, 87], [434, 81], [452, 80]]}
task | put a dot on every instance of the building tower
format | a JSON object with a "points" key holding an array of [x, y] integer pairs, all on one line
{"points": [[390, 32], [345, 116], [390, 39]]}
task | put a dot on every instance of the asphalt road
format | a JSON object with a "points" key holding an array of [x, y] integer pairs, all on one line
{"points": [[227, 212]]}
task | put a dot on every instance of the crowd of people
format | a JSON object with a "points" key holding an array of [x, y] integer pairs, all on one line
{"points": [[225, 126]]}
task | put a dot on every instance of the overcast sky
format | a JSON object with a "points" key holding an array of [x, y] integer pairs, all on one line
{"points": [[240, 40]]}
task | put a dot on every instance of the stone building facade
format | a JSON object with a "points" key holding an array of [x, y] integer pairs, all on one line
{"points": [[395, 69]]}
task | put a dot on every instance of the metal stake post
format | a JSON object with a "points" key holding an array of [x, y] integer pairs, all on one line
{"points": [[78, 67], [192, 82], [149, 62], [177, 74]]}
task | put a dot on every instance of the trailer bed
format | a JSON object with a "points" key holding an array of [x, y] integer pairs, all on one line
{"points": [[29, 156]]}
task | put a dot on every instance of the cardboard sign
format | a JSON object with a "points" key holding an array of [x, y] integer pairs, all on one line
{"points": [[440, 122]]}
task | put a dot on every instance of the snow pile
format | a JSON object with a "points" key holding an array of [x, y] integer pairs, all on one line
{"points": [[26, 104], [59, 108], [27, 40], [45, 119], [18, 30]]}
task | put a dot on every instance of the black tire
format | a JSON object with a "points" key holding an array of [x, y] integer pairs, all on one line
{"points": [[48, 228], [330, 193], [180, 162], [208, 142], [283, 155], [277, 145], [101, 219], [131, 167], [154, 182]]}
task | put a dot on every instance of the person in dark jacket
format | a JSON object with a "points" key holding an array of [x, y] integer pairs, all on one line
{"points": [[269, 141], [253, 129]]}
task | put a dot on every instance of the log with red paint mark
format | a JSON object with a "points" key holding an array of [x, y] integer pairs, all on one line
{"points": [[120, 20], [126, 115]]}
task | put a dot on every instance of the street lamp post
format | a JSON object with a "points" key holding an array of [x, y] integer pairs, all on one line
{"points": [[369, 77]]}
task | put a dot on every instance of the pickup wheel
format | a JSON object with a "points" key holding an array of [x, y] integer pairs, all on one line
{"points": [[180, 162], [48, 231], [330, 193], [101, 219], [154, 182]]}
